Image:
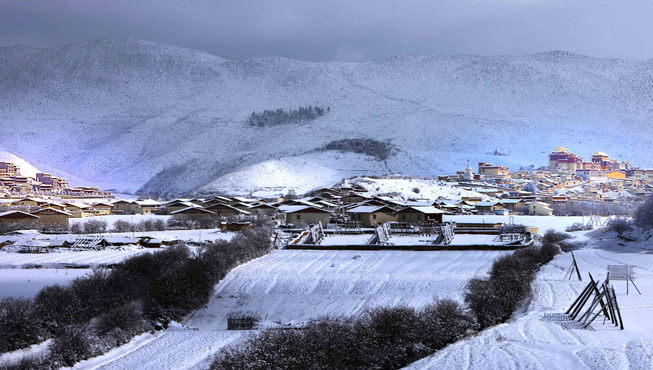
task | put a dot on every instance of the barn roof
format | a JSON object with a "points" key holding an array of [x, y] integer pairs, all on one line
{"points": [[13, 214], [294, 209], [425, 210], [370, 209], [187, 209], [51, 209]]}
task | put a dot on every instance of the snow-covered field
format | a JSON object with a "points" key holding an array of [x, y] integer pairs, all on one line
{"points": [[529, 343], [544, 223], [60, 258], [28, 282], [28, 237], [291, 286], [17, 279]]}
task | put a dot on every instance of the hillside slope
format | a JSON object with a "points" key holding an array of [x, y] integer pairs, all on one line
{"points": [[131, 114]]}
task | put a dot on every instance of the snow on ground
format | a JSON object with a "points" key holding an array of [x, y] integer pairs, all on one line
{"points": [[198, 235], [175, 348], [544, 223], [292, 286], [528, 342], [111, 219], [429, 189], [28, 282], [299, 173], [35, 350], [61, 257], [17, 279], [346, 239]]}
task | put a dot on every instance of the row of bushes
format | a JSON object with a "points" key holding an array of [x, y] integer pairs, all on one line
{"points": [[392, 337], [107, 308]]}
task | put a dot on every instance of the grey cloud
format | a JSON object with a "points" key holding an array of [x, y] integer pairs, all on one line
{"points": [[341, 30]]}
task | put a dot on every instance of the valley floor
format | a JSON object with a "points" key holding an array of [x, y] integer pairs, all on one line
{"points": [[290, 287]]}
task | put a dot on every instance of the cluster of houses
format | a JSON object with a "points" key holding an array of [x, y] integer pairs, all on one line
{"points": [[345, 203], [566, 179], [14, 184], [497, 190]]}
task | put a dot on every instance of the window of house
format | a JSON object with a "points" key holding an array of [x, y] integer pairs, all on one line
{"points": [[299, 216], [374, 217]]}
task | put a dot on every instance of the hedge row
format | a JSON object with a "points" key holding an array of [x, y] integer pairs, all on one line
{"points": [[107, 308], [392, 337]]}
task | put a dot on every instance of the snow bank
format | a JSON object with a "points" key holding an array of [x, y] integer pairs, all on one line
{"points": [[528, 342]]}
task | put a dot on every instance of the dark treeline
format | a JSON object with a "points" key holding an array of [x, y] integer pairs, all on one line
{"points": [[644, 214], [371, 147], [278, 117], [392, 337], [106, 309]]}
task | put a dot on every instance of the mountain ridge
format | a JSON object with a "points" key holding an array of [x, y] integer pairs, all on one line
{"points": [[140, 116]]}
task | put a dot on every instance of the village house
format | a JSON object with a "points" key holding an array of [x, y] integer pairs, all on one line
{"points": [[471, 200], [124, 207], [489, 207], [305, 214], [102, 208], [148, 206], [51, 217], [18, 220], [353, 198], [77, 210], [193, 211], [539, 209], [489, 170], [263, 209], [225, 210], [512, 205], [29, 202], [178, 204], [420, 215], [372, 215]]}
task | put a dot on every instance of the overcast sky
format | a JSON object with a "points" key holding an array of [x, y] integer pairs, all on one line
{"points": [[350, 30]]}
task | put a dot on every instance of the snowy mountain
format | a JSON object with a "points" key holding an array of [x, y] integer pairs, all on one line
{"points": [[135, 115]]}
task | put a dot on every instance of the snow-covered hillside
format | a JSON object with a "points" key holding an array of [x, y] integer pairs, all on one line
{"points": [[130, 114], [26, 169]]}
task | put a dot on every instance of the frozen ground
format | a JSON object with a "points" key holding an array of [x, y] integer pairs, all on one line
{"points": [[529, 343], [291, 286]]}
